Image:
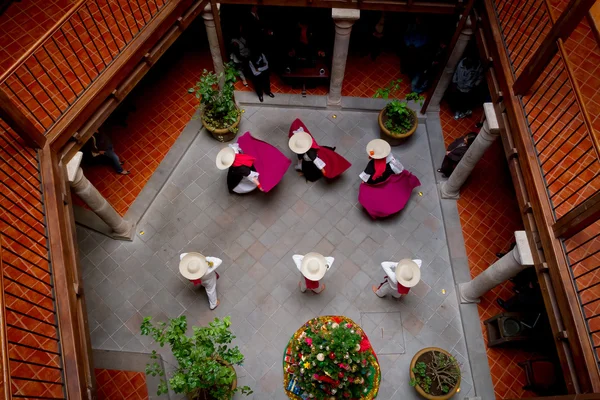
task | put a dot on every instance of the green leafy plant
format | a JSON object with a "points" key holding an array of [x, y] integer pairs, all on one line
{"points": [[330, 360], [437, 376], [205, 359], [217, 104], [400, 119]]}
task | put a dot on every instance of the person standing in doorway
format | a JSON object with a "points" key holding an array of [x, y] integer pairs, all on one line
{"points": [[259, 65], [101, 145], [200, 270]]}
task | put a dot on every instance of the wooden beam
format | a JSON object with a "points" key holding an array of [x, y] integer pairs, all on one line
{"points": [[62, 131], [576, 354], [217, 17], [5, 383], [78, 370], [15, 118], [562, 29], [578, 218], [129, 82], [377, 5], [461, 25]]}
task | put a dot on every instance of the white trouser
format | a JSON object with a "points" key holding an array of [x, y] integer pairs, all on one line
{"points": [[303, 286], [210, 284], [388, 287]]}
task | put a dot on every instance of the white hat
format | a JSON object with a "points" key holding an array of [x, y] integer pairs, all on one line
{"points": [[313, 266], [225, 158], [379, 148], [300, 142], [193, 266], [408, 273]]}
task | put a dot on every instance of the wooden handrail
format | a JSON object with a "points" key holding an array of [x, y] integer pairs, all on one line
{"points": [[574, 347], [42, 40], [575, 85], [4, 361], [579, 218], [562, 28], [20, 123]]}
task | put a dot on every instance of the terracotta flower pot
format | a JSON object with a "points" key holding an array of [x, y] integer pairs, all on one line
{"points": [[394, 139], [201, 395], [225, 134], [419, 390]]}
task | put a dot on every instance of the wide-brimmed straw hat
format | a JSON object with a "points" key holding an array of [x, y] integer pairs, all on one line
{"points": [[225, 158], [313, 266], [408, 273], [378, 148], [193, 266], [300, 142]]}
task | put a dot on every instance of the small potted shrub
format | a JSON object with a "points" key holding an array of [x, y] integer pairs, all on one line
{"points": [[397, 121], [219, 113], [435, 374], [205, 360]]}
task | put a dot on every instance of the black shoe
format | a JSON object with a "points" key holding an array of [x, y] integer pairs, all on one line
{"points": [[501, 303], [260, 98], [500, 255], [271, 95]]}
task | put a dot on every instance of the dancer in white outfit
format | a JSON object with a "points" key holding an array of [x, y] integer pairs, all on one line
{"points": [[200, 270], [313, 267], [400, 277]]}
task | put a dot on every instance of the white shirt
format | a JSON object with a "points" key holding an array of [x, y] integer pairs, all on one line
{"points": [[216, 262], [257, 71], [248, 183], [317, 161], [396, 166], [390, 269], [298, 261]]}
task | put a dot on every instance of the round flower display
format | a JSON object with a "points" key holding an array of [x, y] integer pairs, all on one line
{"points": [[347, 370]]}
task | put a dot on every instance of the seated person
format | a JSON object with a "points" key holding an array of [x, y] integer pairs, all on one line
{"points": [[386, 186], [314, 161], [241, 176], [455, 153]]}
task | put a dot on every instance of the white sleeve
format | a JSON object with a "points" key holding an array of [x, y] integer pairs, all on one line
{"points": [[253, 175], [215, 261], [298, 260], [418, 262], [182, 255], [319, 163], [301, 129], [396, 166], [364, 176], [390, 270], [236, 147], [330, 261]]}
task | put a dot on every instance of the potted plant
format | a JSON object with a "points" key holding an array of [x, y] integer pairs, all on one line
{"points": [[435, 374], [397, 121], [219, 113], [205, 360]]}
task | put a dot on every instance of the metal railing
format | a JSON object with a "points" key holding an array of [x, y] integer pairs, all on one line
{"points": [[59, 67], [523, 28], [559, 125], [583, 255], [30, 337]]}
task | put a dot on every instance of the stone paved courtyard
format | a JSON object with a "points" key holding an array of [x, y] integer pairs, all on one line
{"points": [[256, 236]]}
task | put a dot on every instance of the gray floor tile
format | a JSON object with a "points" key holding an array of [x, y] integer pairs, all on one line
{"points": [[256, 239]]}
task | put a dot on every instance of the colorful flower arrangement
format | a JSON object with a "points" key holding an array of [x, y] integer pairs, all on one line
{"points": [[330, 358]]}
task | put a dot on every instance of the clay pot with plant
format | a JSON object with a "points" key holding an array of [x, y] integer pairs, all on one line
{"points": [[205, 359], [397, 121], [219, 113], [435, 374]]}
